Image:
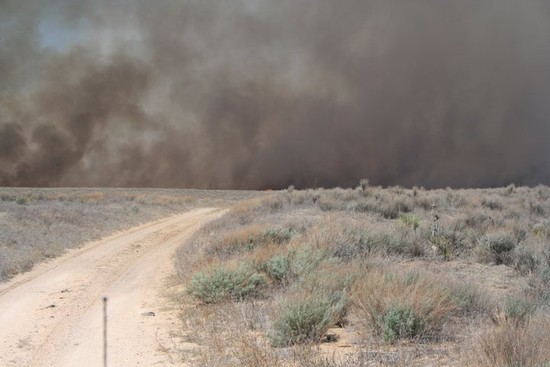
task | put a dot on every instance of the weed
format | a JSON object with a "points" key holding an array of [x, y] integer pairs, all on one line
{"points": [[411, 221]]}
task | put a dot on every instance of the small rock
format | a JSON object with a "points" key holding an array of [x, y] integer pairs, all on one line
{"points": [[148, 313]]}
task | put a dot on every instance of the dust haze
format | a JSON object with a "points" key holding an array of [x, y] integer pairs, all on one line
{"points": [[264, 94]]}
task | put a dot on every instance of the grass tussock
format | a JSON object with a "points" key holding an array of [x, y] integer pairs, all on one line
{"points": [[514, 342], [406, 306]]}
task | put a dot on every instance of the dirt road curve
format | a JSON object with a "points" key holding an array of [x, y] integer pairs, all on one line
{"points": [[53, 315]]}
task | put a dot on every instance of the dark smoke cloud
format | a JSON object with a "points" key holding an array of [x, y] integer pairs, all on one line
{"points": [[260, 93]]}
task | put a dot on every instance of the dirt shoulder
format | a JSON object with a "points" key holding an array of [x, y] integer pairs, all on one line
{"points": [[53, 315]]}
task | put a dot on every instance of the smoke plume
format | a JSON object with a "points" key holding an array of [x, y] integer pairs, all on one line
{"points": [[265, 94]]}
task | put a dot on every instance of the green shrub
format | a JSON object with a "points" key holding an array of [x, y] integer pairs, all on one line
{"points": [[223, 283], [536, 209], [277, 267], [467, 298], [304, 260], [539, 284], [400, 321], [277, 235], [307, 320], [526, 261], [355, 243], [498, 248]]}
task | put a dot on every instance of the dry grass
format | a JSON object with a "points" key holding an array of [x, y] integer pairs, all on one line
{"points": [[36, 224], [513, 342], [392, 272], [407, 306], [342, 277]]}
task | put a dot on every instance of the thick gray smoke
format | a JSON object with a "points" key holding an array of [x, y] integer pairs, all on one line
{"points": [[265, 93]]}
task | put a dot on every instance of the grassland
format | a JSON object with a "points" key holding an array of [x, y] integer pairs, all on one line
{"points": [[37, 224], [372, 277], [343, 277]]}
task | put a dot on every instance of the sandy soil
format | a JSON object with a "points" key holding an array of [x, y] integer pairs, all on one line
{"points": [[53, 315]]}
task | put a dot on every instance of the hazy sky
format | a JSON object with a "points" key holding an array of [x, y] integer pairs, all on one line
{"points": [[265, 93]]}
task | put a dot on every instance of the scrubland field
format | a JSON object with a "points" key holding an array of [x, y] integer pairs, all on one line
{"points": [[372, 277], [343, 277]]}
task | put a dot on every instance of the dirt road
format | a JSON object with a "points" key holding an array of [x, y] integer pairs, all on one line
{"points": [[53, 315]]}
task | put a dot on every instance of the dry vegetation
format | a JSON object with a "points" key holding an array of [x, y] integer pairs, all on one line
{"points": [[372, 277], [36, 224], [363, 277]]}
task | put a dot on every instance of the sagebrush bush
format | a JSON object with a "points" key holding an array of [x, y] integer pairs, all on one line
{"points": [[306, 319], [468, 298], [497, 248], [491, 203], [350, 243], [304, 260], [526, 260], [401, 322], [221, 284], [277, 267]]}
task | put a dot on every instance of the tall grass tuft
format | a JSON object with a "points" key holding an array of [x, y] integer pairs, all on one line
{"points": [[395, 307]]}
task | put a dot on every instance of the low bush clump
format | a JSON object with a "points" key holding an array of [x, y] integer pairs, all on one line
{"points": [[401, 321], [448, 243], [306, 319], [468, 298], [497, 248], [277, 267], [226, 284]]}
